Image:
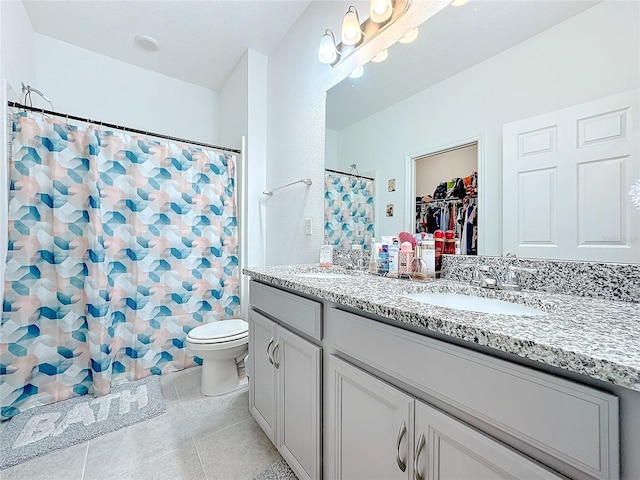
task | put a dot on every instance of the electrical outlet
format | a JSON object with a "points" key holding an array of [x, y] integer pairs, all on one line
{"points": [[308, 226]]}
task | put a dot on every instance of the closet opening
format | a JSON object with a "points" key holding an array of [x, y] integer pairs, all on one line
{"points": [[445, 185]]}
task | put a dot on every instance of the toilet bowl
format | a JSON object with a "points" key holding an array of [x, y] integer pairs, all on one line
{"points": [[219, 344]]}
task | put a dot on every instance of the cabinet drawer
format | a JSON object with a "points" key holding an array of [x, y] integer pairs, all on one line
{"points": [[573, 423], [299, 313]]}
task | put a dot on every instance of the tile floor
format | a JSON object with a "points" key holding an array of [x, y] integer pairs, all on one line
{"points": [[210, 438]]}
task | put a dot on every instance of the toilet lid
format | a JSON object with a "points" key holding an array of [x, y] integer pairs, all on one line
{"points": [[221, 330]]}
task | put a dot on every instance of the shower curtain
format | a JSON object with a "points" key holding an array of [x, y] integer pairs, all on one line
{"points": [[118, 246], [348, 210]]}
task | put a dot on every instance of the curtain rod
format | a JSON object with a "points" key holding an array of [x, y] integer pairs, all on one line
{"points": [[120, 127], [346, 173]]}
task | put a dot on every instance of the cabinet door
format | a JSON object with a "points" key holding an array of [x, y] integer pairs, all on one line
{"points": [[262, 374], [298, 436], [370, 424], [447, 449]]}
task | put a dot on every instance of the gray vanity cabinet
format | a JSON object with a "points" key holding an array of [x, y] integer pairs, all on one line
{"points": [[262, 376], [284, 381], [379, 432], [369, 426]]}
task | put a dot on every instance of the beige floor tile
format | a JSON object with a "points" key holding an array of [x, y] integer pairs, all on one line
{"points": [[239, 452], [187, 383], [120, 451], [63, 464], [168, 388], [209, 415], [180, 464]]}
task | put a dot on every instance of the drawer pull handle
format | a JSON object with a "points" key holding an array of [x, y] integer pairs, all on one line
{"points": [[269, 357], [273, 354], [401, 433], [416, 458]]}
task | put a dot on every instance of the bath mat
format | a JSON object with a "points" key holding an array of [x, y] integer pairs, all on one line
{"points": [[40, 430], [278, 471]]}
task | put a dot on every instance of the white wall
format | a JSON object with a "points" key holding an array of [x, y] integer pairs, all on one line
{"points": [[84, 83], [17, 46], [297, 86], [434, 169], [243, 112], [331, 149], [592, 55]]}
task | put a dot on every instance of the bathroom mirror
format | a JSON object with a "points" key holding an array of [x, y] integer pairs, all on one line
{"points": [[472, 70]]}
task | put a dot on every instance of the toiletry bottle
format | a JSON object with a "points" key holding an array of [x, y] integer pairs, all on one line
{"points": [[373, 259], [457, 243], [326, 255], [418, 265], [449, 242], [383, 260], [438, 237], [393, 260], [405, 258], [429, 256]]}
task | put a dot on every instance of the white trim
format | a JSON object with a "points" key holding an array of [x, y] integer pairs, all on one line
{"points": [[4, 182], [242, 212], [410, 175]]}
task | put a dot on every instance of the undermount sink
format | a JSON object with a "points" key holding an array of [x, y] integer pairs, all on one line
{"points": [[327, 275], [472, 303]]}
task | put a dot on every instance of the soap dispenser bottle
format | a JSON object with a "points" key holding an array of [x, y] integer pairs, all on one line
{"points": [[373, 259]]}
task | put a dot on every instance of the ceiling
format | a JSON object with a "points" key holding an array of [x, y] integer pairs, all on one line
{"points": [[200, 41], [453, 40]]}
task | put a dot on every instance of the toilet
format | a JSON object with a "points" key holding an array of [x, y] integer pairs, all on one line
{"points": [[220, 345]]}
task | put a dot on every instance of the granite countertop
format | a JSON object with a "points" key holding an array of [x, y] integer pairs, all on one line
{"points": [[597, 338]]}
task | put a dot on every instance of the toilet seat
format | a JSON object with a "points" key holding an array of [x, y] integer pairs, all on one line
{"points": [[220, 332]]}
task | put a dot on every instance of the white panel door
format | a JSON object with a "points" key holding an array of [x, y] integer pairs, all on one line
{"points": [[262, 374], [370, 425], [298, 435], [566, 181]]}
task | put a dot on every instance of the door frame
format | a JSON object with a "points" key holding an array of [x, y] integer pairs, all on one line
{"points": [[435, 149]]}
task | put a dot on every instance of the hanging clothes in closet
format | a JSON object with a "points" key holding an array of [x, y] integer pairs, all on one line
{"points": [[453, 206]]}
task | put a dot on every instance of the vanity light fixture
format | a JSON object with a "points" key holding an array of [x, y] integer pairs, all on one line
{"points": [[410, 36], [380, 10], [354, 34], [381, 57], [351, 30], [328, 53]]}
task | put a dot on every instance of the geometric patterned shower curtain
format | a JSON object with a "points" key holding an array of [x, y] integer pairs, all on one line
{"points": [[118, 246], [348, 210]]}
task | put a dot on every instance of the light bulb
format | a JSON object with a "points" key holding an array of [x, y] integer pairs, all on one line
{"points": [[380, 10], [458, 3], [351, 31], [357, 73], [410, 36], [381, 57], [327, 52]]}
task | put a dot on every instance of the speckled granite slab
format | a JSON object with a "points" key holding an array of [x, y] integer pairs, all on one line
{"points": [[594, 337], [609, 281]]}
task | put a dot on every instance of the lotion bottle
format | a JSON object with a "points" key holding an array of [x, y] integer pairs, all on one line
{"points": [[429, 256]]}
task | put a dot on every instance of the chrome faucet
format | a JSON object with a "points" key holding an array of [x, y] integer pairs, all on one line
{"points": [[512, 279], [486, 276]]}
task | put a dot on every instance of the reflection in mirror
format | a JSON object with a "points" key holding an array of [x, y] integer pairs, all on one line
{"points": [[506, 63], [446, 186], [349, 207]]}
